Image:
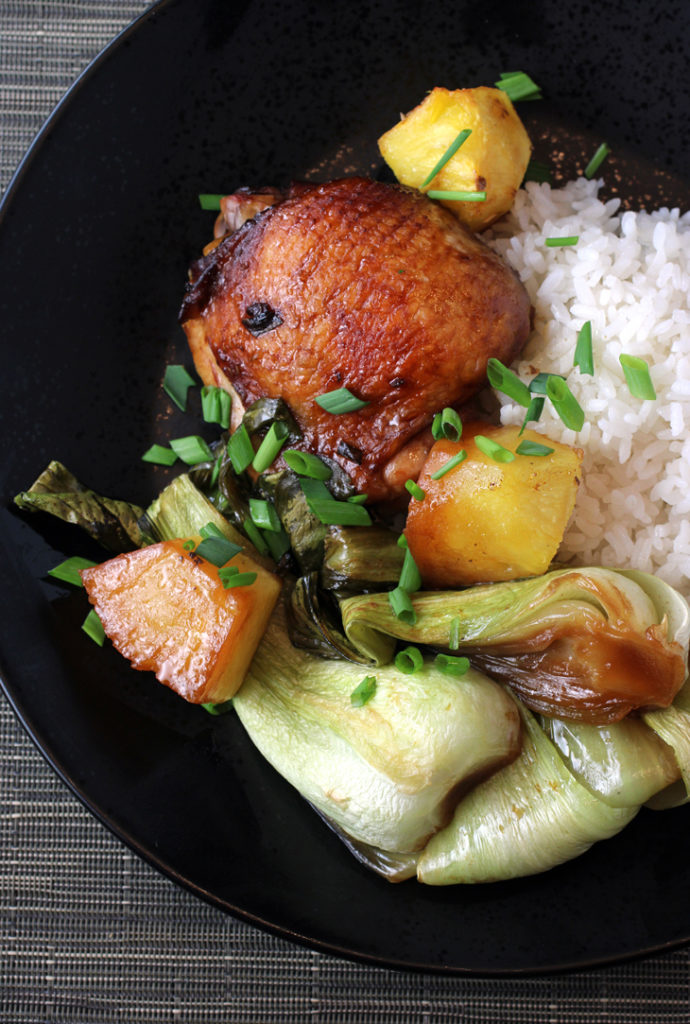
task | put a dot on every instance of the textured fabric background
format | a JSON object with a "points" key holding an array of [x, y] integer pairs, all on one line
{"points": [[91, 934]]}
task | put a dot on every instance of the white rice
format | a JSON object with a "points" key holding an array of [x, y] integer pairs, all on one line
{"points": [[629, 274]]}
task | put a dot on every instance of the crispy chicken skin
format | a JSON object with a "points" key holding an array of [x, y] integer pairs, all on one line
{"points": [[360, 285]]}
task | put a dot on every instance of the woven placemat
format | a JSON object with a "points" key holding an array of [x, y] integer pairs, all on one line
{"points": [[89, 932]]}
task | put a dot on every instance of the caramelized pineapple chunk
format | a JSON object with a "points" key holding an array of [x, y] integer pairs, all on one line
{"points": [[167, 611], [485, 520], [493, 158]]}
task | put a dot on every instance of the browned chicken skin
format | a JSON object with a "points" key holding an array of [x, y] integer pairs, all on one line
{"points": [[360, 285]]}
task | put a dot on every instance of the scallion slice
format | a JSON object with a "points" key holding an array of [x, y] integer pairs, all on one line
{"points": [[176, 383], [358, 499], [270, 446], [584, 357], [209, 201], [264, 515], [240, 449], [401, 604], [68, 571], [236, 579], [559, 241], [211, 530], [597, 160], [535, 410], [339, 513], [364, 692], [409, 660], [538, 384], [518, 86], [217, 550], [446, 424], [256, 536], [533, 448], [460, 197], [492, 449], [93, 627], [448, 155], [215, 406], [410, 577], [191, 450], [340, 401], [278, 543], [307, 464], [159, 455], [415, 490], [637, 377], [217, 709], [564, 402], [508, 383], [451, 463], [451, 665]]}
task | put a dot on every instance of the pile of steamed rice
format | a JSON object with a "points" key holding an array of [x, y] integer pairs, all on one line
{"points": [[629, 274]]}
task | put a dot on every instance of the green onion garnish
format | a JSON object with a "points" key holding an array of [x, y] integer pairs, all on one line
{"points": [[410, 578], [240, 449], [536, 407], [189, 545], [451, 463], [340, 513], [446, 424], [159, 455], [637, 377], [537, 171], [402, 542], [538, 384], [504, 380], [231, 577], [583, 349], [415, 490], [217, 550], [191, 450], [340, 401], [270, 446], [264, 515], [209, 201], [401, 604], [518, 86], [451, 665], [215, 406], [256, 536], [454, 634], [597, 160], [461, 197], [561, 240], [564, 402], [409, 660], [307, 464], [449, 153], [492, 449], [533, 448], [176, 384], [93, 627], [211, 530], [68, 571], [278, 543], [358, 499], [364, 692], [218, 709]]}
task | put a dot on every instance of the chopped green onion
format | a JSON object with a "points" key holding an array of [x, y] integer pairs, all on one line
{"points": [[240, 449], [492, 449], [307, 464], [518, 86], [270, 446], [209, 201], [340, 401], [537, 171], [159, 455], [637, 377], [538, 384], [217, 550], [364, 692], [218, 709], [597, 160], [446, 424], [256, 536], [451, 665], [339, 513], [449, 464], [93, 627], [264, 515], [454, 634], [215, 406], [357, 499], [278, 543], [402, 542], [564, 402], [176, 383], [410, 578], [504, 380], [533, 448], [211, 530], [315, 490], [236, 579], [409, 660], [532, 415], [68, 571], [401, 604], [583, 349], [449, 153], [189, 545], [191, 450], [561, 240], [415, 490], [461, 197]]}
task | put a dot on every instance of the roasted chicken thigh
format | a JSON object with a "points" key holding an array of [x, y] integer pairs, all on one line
{"points": [[360, 285]]}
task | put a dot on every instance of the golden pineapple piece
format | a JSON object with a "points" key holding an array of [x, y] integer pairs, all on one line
{"points": [[485, 520], [167, 611], [493, 158]]}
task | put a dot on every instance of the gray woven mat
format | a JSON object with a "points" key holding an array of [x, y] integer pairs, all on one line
{"points": [[89, 932]]}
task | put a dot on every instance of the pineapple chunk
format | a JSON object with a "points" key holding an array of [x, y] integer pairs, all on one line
{"points": [[493, 158], [484, 520], [166, 610]]}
